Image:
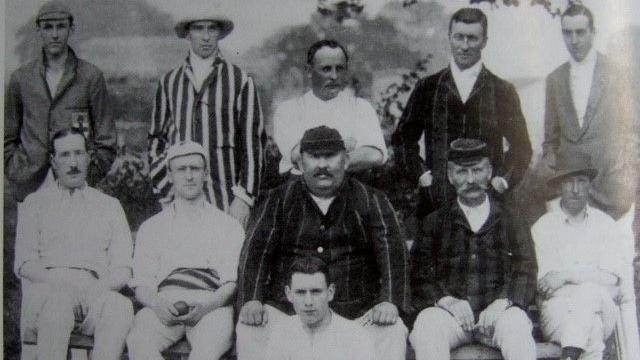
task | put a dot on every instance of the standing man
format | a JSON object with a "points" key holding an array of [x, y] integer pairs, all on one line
{"points": [[73, 254], [464, 100], [589, 110], [53, 92], [350, 226], [184, 267], [472, 278], [214, 103], [580, 261], [316, 332], [329, 103]]}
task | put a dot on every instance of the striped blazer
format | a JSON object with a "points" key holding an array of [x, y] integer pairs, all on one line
{"points": [[224, 116]]}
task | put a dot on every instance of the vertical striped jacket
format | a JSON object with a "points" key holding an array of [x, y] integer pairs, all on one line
{"points": [[360, 239], [224, 116]]}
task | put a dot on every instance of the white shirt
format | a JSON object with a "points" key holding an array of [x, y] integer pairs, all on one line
{"points": [[465, 79], [580, 79], [353, 117], [561, 245], [201, 68], [84, 229], [53, 80], [342, 339], [169, 240], [323, 203], [476, 216]]}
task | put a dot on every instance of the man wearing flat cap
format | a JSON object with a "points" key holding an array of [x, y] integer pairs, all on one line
{"points": [[55, 91], [581, 262], [184, 267], [472, 277], [350, 226], [213, 102]]}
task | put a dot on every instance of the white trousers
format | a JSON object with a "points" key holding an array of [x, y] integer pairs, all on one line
{"points": [[582, 316], [210, 338], [436, 332], [390, 342]]}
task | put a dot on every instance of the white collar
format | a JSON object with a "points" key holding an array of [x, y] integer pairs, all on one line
{"points": [[197, 61], [482, 207], [66, 193], [588, 61], [569, 220], [471, 72], [310, 96], [323, 203]]}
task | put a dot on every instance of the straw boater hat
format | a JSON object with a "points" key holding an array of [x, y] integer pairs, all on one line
{"points": [[572, 164], [212, 13]]}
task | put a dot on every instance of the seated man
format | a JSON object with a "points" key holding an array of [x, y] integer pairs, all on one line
{"points": [[316, 332], [471, 276], [184, 267], [350, 226], [580, 264], [73, 254]]}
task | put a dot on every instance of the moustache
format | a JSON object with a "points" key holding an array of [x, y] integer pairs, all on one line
{"points": [[73, 171], [322, 172], [474, 187]]}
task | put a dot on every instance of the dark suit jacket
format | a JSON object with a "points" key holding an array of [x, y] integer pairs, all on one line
{"points": [[491, 113], [609, 133]]}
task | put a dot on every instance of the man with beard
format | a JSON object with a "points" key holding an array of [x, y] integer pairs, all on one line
{"points": [[73, 254], [316, 332], [54, 92], [350, 226], [329, 103], [471, 276]]}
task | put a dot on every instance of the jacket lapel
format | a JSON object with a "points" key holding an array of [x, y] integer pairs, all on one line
{"points": [[481, 81], [595, 93], [69, 74], [567, 107], [451, 84]]}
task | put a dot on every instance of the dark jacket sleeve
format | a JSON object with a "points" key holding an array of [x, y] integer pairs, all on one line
{"points": [[390, 251], [410, 128], [104, 140], [14, 156], [427, 288], [520, 286], [514, 125], [551, 124], [256, 258]]}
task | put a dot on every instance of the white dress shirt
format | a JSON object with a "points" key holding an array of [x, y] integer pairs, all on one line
{"points": [[465, 79], [476, 216], [581, 77], [201, 68]]}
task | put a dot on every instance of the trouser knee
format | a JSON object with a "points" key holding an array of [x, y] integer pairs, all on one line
{"points": [[117, 308], [427, 324], [57, 311]]}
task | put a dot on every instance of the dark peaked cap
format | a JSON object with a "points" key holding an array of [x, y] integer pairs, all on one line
{"points": [[321, 139], [467, 152]]}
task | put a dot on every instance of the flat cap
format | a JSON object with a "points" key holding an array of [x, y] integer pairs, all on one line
{"points": [[185, 148], [467, 152], [322, 139], [54, 10]]}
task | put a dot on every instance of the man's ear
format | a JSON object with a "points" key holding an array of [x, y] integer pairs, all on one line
{"points": [[347, 161], [288, 293], [331, 291]]}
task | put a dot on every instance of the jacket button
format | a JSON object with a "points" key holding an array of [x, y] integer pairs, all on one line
{"points": [[322, 227], [320, 249], [474, 256]]}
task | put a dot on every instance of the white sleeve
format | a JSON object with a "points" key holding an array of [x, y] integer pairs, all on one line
{"points": [[367, 128], [146, 260], [285, 132], [28, 234], [228, 269], [544, 255]]}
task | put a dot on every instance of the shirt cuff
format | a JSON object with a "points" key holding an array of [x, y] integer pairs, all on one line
{"points": [[239, 192]]}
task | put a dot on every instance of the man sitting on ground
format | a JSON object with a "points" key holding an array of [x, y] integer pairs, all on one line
{"points": [[316, 332], [580, 262], [184, 267]]}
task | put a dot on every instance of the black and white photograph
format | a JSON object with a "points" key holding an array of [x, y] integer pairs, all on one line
{"points": [[321, 179]]}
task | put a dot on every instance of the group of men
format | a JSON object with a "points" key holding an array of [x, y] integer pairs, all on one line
{"points": [[318, 267]]}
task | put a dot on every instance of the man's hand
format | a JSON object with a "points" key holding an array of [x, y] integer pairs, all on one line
{"points": [[489, 316], [165, 311], [499, 184], [196, 312], [385, 313], [426, 179], [551, 282], [240, 210], [460, 309], [253, 313]]}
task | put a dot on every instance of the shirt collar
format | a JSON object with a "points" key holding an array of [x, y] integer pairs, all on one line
{"points": [[471, 72], [175, 206], [215, 59], [310, 96], [78, 193], [567, 219], [484, 206], [588, 61], [71, 62]]}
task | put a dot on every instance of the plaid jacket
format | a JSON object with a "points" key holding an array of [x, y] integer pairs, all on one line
{"points": [[450, 259], [359, 238]]}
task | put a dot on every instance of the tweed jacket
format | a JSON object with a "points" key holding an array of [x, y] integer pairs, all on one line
{"points": [[491, 113], [449, 259], [359, 238], [33, 115], [609, 133]]}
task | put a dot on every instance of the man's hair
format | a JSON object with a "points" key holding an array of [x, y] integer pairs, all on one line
{"points": [[311, 53], [64, 133], [309, 265], [470, 16], [579, 9]]}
